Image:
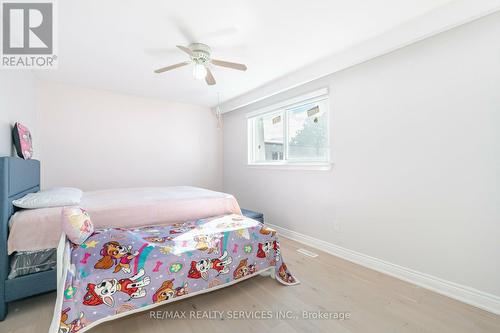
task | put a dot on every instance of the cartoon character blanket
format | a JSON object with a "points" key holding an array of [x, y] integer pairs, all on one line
{"points": [[122, 271]]}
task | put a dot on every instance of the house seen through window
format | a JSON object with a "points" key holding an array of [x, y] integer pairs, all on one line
{"points": [[291, 134]]}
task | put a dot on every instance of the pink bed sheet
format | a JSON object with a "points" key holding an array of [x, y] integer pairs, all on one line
{"points": [[38, 229]]}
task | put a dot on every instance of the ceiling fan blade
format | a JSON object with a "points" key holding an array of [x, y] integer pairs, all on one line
{"points": [[218, 34], [185, 49], [228, 64], [160, 52], [210, 78], [183, 28], [164, 69]]}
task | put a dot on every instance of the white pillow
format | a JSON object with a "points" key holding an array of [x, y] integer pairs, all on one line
{"points": [[54, 197]]}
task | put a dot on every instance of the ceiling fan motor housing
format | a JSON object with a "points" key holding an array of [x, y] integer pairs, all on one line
{"points": [[201, 53], [200, 56]]}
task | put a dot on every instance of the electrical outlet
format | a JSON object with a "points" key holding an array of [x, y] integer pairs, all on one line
{"points": [[336, 226]]}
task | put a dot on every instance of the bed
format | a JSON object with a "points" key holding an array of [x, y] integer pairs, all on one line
{"points": [[109, 208], [117, 272]]}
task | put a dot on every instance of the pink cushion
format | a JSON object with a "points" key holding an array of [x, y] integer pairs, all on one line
{"points": [[76, 224], [22, 141]]}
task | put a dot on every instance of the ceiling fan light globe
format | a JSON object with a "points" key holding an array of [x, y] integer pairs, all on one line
{"points": [[199, 72]]}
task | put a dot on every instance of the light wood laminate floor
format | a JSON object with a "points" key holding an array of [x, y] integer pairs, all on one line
{"points": [[376, 303]]}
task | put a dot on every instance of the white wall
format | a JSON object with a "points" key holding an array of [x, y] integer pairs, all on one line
{"points": [[96, 139], [17, 104], [415, 140]]}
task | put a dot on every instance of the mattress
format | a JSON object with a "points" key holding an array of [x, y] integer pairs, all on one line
{"points": [[38, 229], [29, 262]]}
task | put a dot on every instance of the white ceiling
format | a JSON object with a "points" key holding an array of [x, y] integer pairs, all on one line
{"points": [[116, 44]]}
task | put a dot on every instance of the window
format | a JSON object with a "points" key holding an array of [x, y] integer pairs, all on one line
{"points": [[291, 133]]}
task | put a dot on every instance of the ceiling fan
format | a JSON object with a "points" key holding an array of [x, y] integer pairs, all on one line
{"points": [[199, 55]]}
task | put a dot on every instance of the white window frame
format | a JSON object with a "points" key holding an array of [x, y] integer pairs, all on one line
{"points": [[282, 108]]}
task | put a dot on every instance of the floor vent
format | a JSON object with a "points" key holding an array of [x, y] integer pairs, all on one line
{"points": [[307, 253]]}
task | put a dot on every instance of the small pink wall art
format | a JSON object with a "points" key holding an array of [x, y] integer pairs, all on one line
{"points": [[22, 141]]}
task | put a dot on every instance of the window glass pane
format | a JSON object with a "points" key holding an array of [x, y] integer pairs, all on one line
{"points": [[269, 141], [308, 132]]}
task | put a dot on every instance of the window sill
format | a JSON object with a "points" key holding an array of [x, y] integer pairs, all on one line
{"points": [[323, 166]]}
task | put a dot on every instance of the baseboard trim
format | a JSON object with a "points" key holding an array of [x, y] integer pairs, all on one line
{"points": [[471, 296]]}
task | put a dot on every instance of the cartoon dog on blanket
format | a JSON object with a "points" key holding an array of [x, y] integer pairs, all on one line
{"points": [[265, 248], [102, 293], [167, 291], [113, 252], [207, 243], [244, 269], [284, 275], [73, 327], [199, 269]]}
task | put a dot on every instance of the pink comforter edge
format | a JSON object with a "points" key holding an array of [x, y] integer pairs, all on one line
{"points": [[38, 229]]}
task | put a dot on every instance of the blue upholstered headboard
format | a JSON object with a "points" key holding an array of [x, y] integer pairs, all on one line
{"points": [[17, 178]]}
